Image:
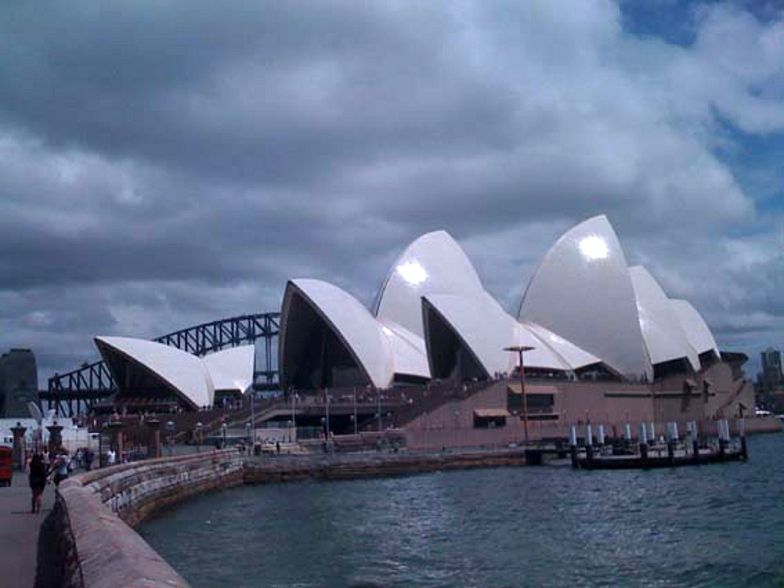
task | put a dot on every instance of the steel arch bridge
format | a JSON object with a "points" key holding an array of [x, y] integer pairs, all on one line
{"points": [[85, 386]]}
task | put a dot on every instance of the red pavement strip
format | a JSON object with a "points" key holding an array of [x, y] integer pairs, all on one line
{"points": [[19, 532]]}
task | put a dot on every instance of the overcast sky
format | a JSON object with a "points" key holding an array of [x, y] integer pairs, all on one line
{"points": [[169, 163]]}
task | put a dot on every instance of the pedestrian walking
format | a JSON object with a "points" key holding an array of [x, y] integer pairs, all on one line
{"points": [[60, 467], [37, 478]]}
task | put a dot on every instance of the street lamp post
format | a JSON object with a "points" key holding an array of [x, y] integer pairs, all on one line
{"points": [[326, 411], [223, 432], [293, 421], [378, 399], [199, 426], [520, 349], [355, 411], [253, 417]]}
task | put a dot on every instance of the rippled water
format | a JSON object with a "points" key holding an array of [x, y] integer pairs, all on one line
{"points": [[720, 525]]}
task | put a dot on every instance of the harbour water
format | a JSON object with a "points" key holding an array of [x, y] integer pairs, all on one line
{"points": [[717, 525]]}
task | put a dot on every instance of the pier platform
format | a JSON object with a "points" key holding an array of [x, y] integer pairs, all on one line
{"points": [[679, 458]]}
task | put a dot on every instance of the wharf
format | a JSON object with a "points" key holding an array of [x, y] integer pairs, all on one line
{"points": [[679, 458]]}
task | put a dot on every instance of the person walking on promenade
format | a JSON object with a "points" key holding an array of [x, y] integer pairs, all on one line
{"points": [[60, 467], [37, 481]]}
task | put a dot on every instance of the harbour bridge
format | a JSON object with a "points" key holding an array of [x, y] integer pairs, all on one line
{"points": [[78, 390]]}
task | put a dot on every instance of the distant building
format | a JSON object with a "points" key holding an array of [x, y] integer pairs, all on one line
{"points": [[18, 382], [771, 376], [769, 387]]}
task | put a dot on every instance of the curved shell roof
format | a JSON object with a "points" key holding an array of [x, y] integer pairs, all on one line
{"points": [[583, 306], [697, 331], [568, 352], [483, 327], [486, 329], [408, 349], [582, 291], [352, 323], [432, 264], [661, 328], [183, 372], [232, 369]]}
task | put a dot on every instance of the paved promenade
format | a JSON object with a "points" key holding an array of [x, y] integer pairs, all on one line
{"points": [[19, 532]]}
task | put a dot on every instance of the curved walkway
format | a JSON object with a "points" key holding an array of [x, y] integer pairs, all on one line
{"points": [[19, 532]]}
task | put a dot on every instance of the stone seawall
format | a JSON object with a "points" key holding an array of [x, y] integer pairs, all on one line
{"points": [[350, 467], [87, 540]]}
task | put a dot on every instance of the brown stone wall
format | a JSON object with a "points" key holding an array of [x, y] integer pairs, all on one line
{"points": [[609, 403], [354, 466], [87, 541]]}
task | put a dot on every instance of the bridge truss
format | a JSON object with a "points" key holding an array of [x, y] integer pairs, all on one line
{"points": [[78, 390]]}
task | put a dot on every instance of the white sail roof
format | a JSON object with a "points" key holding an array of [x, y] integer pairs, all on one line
{"points": [[694, 326], [582, 307], [486, 329], [433, 264], [184, 373], [483, 327], [410, 353], [232, 369], [568, 352], [353, 324], [582, 291], [661, 329]]}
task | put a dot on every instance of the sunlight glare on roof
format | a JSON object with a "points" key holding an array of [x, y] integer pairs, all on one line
{"points": [[412, 272], [594, 247]]}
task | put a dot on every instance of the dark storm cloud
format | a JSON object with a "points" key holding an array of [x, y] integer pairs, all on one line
{"points": [[262, 92], [165, 164]]}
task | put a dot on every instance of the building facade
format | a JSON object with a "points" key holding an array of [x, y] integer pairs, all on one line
{"points": [[18, 383]]}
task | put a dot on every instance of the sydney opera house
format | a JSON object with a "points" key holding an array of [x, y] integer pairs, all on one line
{"points": [[605, 343], [584, 312]]}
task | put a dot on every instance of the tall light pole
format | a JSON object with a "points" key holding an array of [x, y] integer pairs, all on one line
{"points": [[355, 411], [293, 421], [378, 399], [520, 349], [326, 411], [253, 417]]}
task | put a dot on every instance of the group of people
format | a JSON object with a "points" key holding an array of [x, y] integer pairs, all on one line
{"points": [[56, 466]]}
